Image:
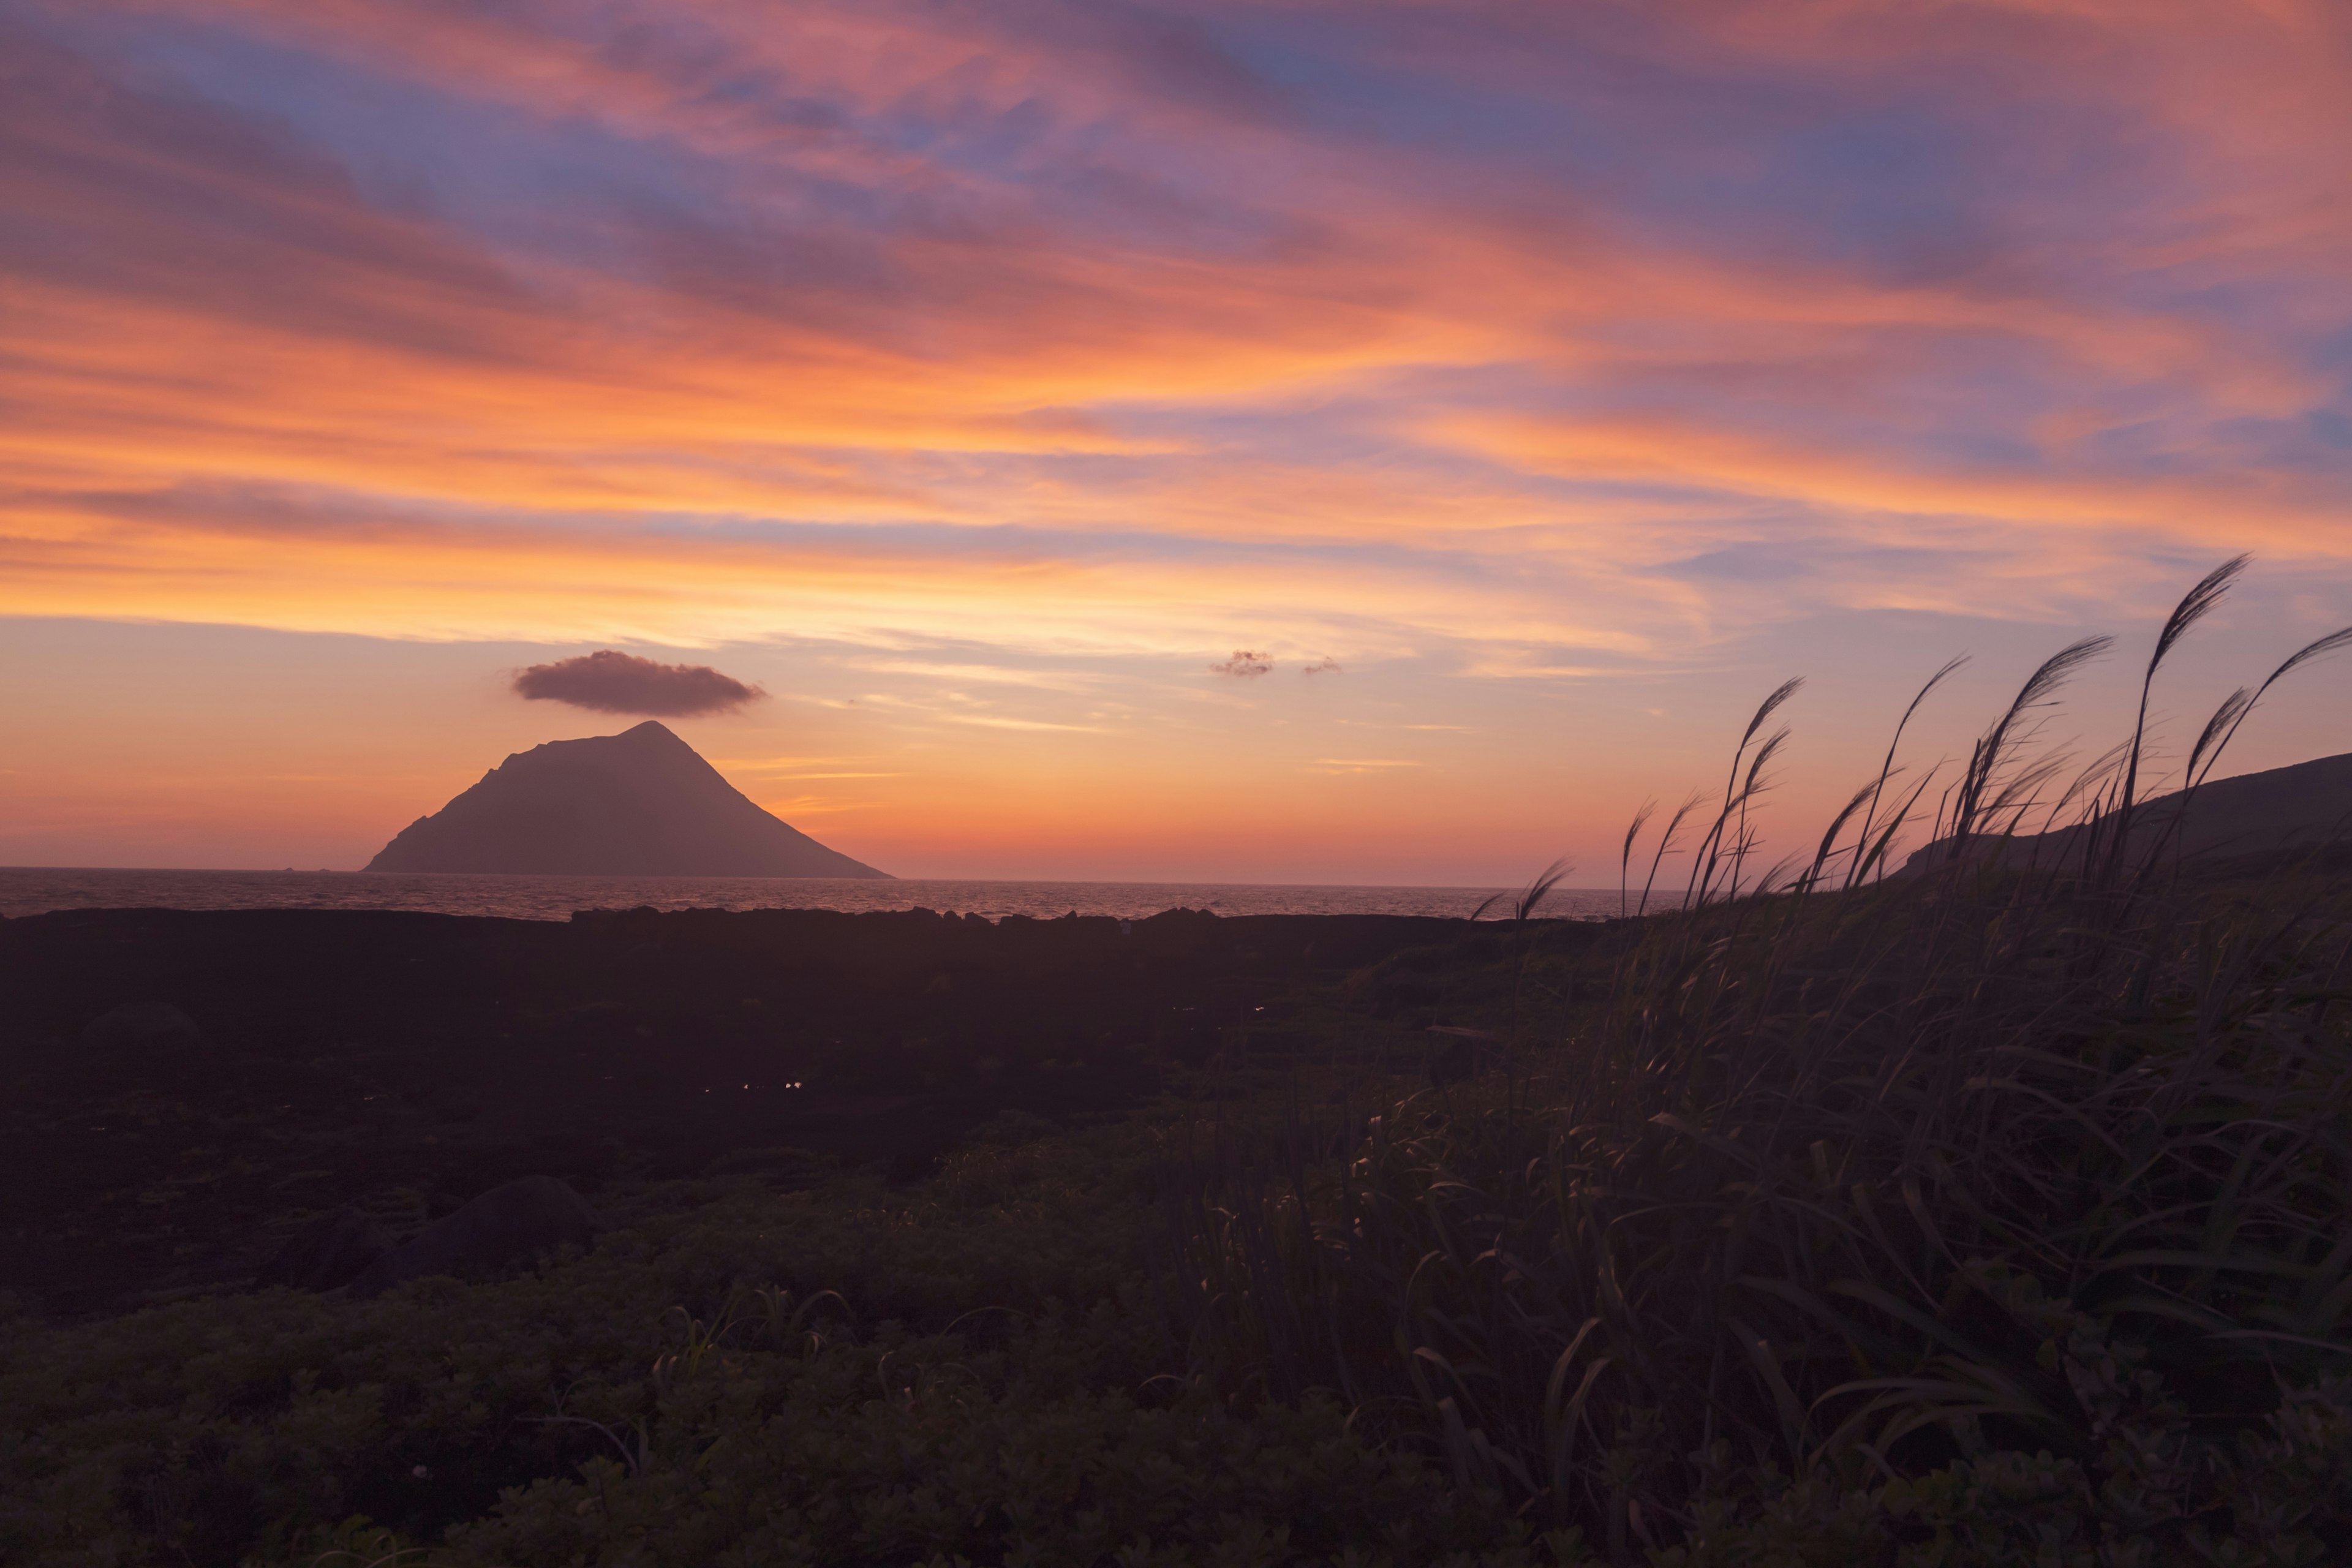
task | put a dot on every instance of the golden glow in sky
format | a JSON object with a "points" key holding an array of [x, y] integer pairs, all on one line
{"points": [[974, 377]]}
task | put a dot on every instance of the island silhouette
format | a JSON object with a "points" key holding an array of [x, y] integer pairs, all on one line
{"points": [[642, 803]]}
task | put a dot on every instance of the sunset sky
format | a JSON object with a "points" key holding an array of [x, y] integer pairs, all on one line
{"points": [[1534, 385]]}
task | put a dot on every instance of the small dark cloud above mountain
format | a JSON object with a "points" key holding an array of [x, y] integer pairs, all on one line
{"points": [[1244, 664], [612, 682]]}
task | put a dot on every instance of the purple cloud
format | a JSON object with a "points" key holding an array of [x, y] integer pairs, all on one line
{"points": [[1244, 664], [612, 682]]}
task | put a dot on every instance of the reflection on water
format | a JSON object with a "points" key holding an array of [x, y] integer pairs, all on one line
{"points": [[31, 890]]}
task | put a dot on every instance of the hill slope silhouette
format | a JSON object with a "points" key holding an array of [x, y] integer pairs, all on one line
{"points": [[2279, 810], [639, 803]]}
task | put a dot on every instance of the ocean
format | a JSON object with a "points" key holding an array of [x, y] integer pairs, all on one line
{"points": [[34, 889]]}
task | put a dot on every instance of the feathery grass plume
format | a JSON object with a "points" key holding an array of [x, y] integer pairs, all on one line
{"points": [[2172, 830], [1732, 821], [2194, 606], [1625, 854], [1781, 875], [1744, 840], [2318, 647], [1941, 1183], [2019, 794], [1867, 865], [1838, 1194], [2092, 783], [1992, 753], [2208, 739], [1813, 873], [1666, 845], [1886, 767], [1769, 705], [1523, 908], [1709, 853], [1764, 710], [2221, 730]]}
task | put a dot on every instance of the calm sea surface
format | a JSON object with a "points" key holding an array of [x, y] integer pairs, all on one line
{"points": [[31, 890]]}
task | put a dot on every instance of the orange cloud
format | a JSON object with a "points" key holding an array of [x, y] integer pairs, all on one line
{"points": [[1061, 327], [2262, 510]]}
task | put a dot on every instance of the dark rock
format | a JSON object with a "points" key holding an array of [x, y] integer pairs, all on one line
{"points": [[143, 1026], [327, 1252], [504, 1226]]}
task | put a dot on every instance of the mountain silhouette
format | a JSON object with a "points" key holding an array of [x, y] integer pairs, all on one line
{"points": [[639, 803], [2279, 810]]}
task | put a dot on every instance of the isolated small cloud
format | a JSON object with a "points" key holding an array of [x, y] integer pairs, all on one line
{"points": [[1322, 666], [612, 682], [1245, 665], [1359, 764]]}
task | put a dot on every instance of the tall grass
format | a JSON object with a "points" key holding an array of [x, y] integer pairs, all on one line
{"points": [[2028, 1184]]}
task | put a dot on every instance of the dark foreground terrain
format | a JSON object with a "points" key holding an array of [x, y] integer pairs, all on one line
{"points": [[402, 1063], [1961, 1221]]}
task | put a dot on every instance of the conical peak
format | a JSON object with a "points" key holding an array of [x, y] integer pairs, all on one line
{"points": [[640, 803], [652, 736]]}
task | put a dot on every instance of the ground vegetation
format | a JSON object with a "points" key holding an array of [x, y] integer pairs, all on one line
{"points": [[1994, 1214]]}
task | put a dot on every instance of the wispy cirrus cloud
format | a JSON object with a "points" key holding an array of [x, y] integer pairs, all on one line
{"points": [[1052, 326]]}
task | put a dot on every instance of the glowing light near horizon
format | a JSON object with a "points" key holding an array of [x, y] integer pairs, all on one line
{"points": [[1043, 357]]}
